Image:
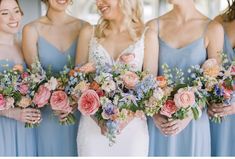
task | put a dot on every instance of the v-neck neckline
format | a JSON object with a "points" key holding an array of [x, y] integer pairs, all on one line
{"points": [[65, 52], [120, 54]]}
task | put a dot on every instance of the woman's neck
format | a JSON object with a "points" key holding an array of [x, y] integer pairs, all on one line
{"points": [[7, 39], [184, 12], [117, 25], [56, 17]]}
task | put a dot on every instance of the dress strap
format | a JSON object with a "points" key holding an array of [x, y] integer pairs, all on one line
{"points": [[158, 26], [143, 34]]}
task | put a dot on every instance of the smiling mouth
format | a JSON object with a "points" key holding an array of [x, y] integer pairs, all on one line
{"points": [[61, 1], [13, 25], [103, 9]]}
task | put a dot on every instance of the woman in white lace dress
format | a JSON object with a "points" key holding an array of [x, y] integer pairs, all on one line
{"points": [[119, 34]]}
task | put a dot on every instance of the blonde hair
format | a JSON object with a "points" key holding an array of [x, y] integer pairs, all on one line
{"points": [[132, 11]]}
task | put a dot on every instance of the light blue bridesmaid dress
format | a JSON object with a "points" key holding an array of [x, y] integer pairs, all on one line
{"points": [[8, 130], [223, 134], [26, 139], [53, 138], [15, 139], [194, 140]]}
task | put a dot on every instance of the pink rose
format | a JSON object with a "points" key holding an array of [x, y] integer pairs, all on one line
{"points": [[23, 88], [24, 75], [100, 93], [184, 98], [2, 103], [168, 108], [87, 68], [127, 58], [232, 70], [227, 92], [130, 79], [42, 96], [89, 102], [59, 101], [211, 68]]}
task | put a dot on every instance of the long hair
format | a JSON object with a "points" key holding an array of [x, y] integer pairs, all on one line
{"points": [[132, 11], [229, 14], [22, 13]]}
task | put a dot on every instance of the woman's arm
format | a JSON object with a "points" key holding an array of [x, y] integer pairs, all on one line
{"points": [[29, 43], [83, 44]]}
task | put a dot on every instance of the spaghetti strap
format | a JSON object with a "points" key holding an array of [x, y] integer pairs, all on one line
{"points": [[158, 26]]}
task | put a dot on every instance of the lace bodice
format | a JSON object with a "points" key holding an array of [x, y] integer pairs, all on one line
{"points": [[100, 56]]}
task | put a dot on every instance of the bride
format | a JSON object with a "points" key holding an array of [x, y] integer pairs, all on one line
{"points": [[120, 35]]}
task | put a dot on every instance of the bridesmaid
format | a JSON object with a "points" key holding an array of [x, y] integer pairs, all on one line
{"points": [[222, 135], [52, 38], [186, 37], [15, 139]]}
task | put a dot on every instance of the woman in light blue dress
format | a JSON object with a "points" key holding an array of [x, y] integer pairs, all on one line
{"points": [[15, 139], [53, 38], [186, 38], [223, 134]]}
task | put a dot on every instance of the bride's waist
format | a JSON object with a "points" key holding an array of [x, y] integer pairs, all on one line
{"points": [[134, 121]]}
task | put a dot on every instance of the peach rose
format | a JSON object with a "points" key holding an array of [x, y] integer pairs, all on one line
{"points": [[127, 58], [211, 68], [42, 96], [24, 102], [19, 68], [59, 101], [162, 82], [184, 98], [2, 102], [89, 102], [72, 72], [23, 88], [94, 85], [168, 108], [130, 79], [87, 68]]}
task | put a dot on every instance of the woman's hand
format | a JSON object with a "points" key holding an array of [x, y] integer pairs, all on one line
{"points": [[174, 127], [27, 115], [159, 120], [220, 110]]}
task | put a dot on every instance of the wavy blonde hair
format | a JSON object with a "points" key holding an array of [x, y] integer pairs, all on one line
{"points": [[132, 11]]}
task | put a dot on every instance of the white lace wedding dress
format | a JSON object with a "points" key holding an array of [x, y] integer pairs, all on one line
{"points": [[134, 138]]}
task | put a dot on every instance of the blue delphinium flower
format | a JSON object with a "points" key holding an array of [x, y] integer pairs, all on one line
{"points": [[218, 91], [109, 109], [144, 86]]}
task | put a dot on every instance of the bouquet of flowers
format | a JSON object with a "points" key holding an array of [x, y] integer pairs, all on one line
{"points": [[59, 99], [184, 98], [18, 85], [218, 81], [112, 94], [8, 80]]}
